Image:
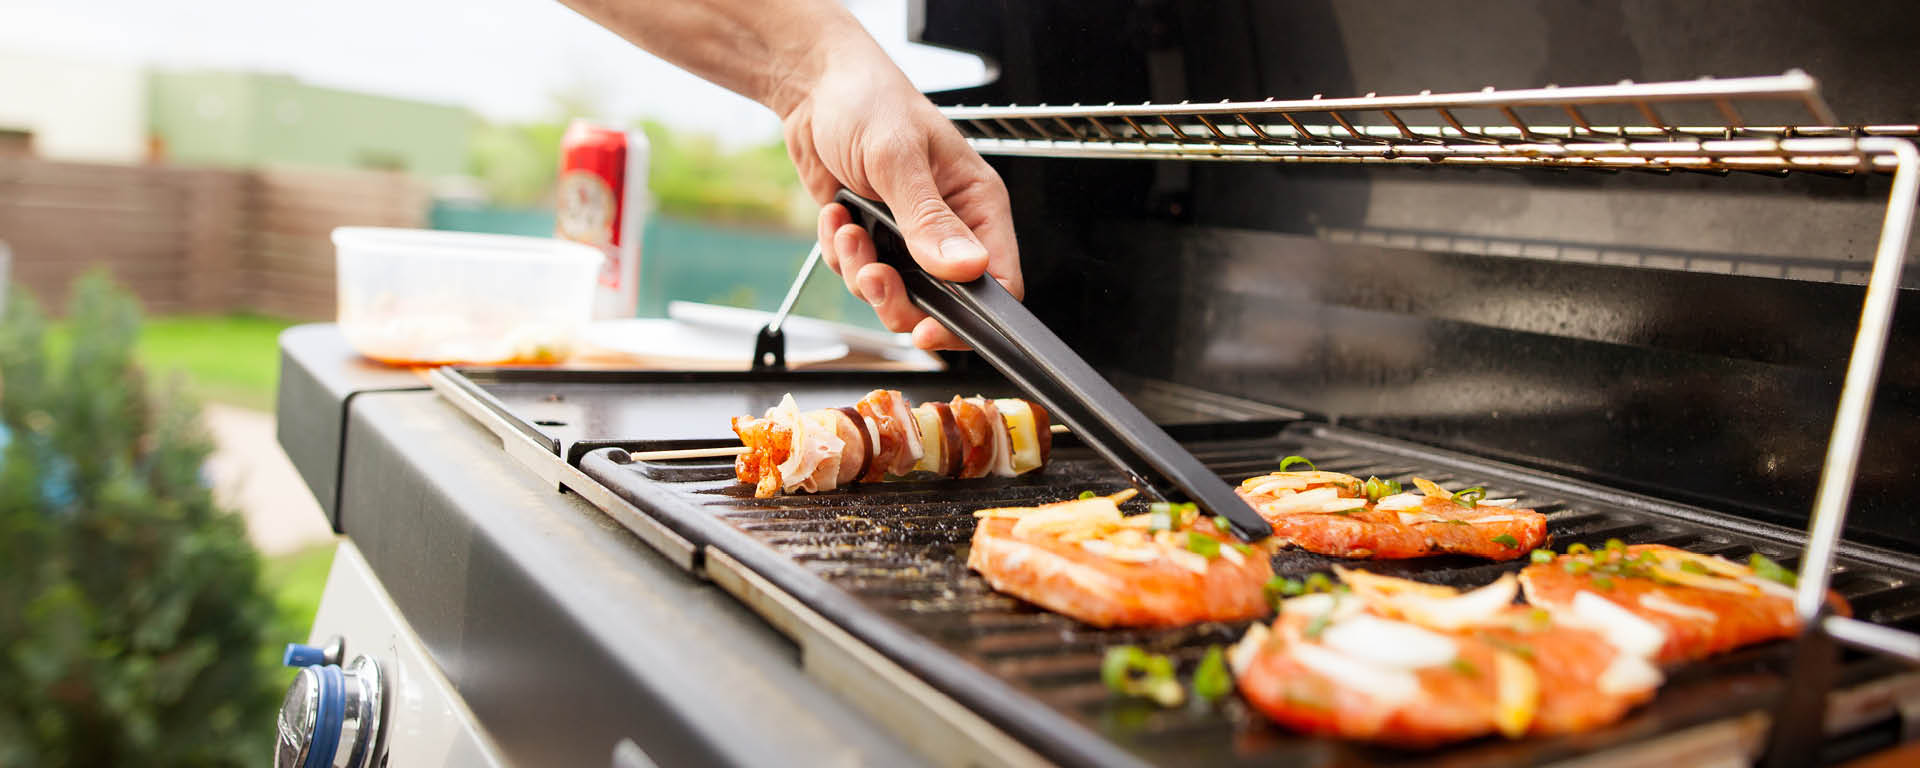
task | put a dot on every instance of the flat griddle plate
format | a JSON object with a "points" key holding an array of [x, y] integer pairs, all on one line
{"points": [[887, 564]]}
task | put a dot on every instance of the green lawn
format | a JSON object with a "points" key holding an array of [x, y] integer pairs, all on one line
{"points": [[232, 359], [295, 581]]}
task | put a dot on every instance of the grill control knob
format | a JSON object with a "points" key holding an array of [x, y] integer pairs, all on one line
{"points": [[331, 716]]}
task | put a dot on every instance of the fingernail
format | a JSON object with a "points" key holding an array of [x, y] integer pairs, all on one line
{"points": [[875, 292], [961, 249]]}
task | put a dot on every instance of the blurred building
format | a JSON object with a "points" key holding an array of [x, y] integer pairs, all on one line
{"points": [[250, 120], [74, 109]]}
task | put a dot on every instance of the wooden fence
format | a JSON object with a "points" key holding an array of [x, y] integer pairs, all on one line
{"points": [[194, 239]]}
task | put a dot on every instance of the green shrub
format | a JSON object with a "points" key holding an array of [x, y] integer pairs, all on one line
{"points": [[131, 612]]}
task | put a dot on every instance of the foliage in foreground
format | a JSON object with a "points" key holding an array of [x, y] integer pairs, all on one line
{"points": [[131, 612]]}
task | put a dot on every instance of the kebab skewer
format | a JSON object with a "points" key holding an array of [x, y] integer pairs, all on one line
{"points": [[788, 450]]}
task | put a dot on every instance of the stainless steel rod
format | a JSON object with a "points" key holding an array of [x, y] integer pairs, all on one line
{"points": [[1863, 375], [1793, 86], [793, 291], [1873, 637]]}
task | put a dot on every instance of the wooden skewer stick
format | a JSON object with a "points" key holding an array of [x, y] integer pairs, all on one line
{"points": [[727, 451]]}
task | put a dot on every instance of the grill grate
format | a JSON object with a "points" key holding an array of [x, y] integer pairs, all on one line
{"points": [[900, 551]]}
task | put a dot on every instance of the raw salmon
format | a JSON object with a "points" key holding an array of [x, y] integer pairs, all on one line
{"points": [[1328, 513], [1415, 665], [1084, 559], [1701, 604]]}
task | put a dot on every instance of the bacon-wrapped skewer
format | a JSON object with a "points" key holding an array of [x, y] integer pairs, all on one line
{"points": [[790, 451]]}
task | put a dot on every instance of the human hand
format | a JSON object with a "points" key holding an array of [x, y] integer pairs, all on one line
{"points": [[863, 126]]}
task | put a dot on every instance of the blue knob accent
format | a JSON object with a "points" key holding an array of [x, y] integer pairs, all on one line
{"points": [[326, 733], [303, 656]]}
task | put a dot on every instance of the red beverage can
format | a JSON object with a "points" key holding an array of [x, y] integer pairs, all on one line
{"points": [[601, 201]]}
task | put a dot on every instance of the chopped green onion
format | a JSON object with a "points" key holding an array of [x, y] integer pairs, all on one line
{"points": [[1603, 582], [1616, 545], [1521, 650], [1576, 566], [1160, 506], [1318, 582], [1458, 522], [1129, 671], [1467, 497], [1084, 495], [1211, 680], [1506, 540], [1541, 556], [1540, 618], [1771, 571], [1240, 547], [1203, 545], [1692, 567], [1376, 489], [1159, 521], [1579, 549], [1292, 460], [1280, 587], [1464, 667]]}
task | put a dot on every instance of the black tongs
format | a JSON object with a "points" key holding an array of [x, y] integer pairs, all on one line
{"points": [[982, 313]]}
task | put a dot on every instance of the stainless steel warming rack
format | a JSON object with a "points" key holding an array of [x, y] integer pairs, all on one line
{"points": [[1775, 124]]}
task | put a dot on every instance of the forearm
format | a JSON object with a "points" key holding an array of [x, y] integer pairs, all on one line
{"points": [[771, 51]]}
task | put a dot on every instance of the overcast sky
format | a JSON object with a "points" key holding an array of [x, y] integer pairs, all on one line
{"points": [[503, 58]]}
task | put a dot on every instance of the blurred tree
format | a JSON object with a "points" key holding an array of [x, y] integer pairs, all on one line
{"points": [[131, 615]]}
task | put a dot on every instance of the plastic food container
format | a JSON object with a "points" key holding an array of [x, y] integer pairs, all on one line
{"points": [[418, 297]]}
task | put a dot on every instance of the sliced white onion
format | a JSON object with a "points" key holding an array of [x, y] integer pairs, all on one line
{"points": [[1390, 643], [1240, 656], [1385, 685], [1192, 561], [1622, 628], [1495, 502], [1401, 501], [1769, 586], [1343, 505], [1232, 554], [1629, 674], [1480, 607], [907, 425], [1099, 547], [1079, 514], [1655, 601]]}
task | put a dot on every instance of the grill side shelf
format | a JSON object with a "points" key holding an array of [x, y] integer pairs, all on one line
{"points": [[886, 564]]}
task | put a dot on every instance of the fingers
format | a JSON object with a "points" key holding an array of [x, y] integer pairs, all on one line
{"points": [[930, 334], [832, 217], [940, 241]]}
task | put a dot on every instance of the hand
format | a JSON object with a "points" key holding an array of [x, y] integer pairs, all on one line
{"points": [[863, 126]]}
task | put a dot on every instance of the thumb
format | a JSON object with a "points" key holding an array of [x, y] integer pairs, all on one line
{"points": [[938, 239]]}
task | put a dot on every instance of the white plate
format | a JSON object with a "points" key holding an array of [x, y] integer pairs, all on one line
{"points": [[663, 337]]}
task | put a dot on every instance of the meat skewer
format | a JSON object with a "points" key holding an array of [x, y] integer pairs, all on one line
{"points": [[789, 451], [729, 451]]}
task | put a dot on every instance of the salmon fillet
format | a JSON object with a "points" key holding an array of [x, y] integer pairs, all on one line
{"points": [[1327, 513], [1083, 559], [1414, 665], [1702, 604]]}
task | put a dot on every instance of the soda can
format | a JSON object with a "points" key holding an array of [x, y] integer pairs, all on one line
{"points": [[602, 201]]}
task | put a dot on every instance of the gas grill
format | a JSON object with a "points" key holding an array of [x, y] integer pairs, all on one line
{"points": [[1632, 307]]}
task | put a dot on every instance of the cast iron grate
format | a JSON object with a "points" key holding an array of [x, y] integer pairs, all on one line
{"points": [[900, 550]]}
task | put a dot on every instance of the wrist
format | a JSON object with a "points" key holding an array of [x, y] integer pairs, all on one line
{"points": [[836, 41]]}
